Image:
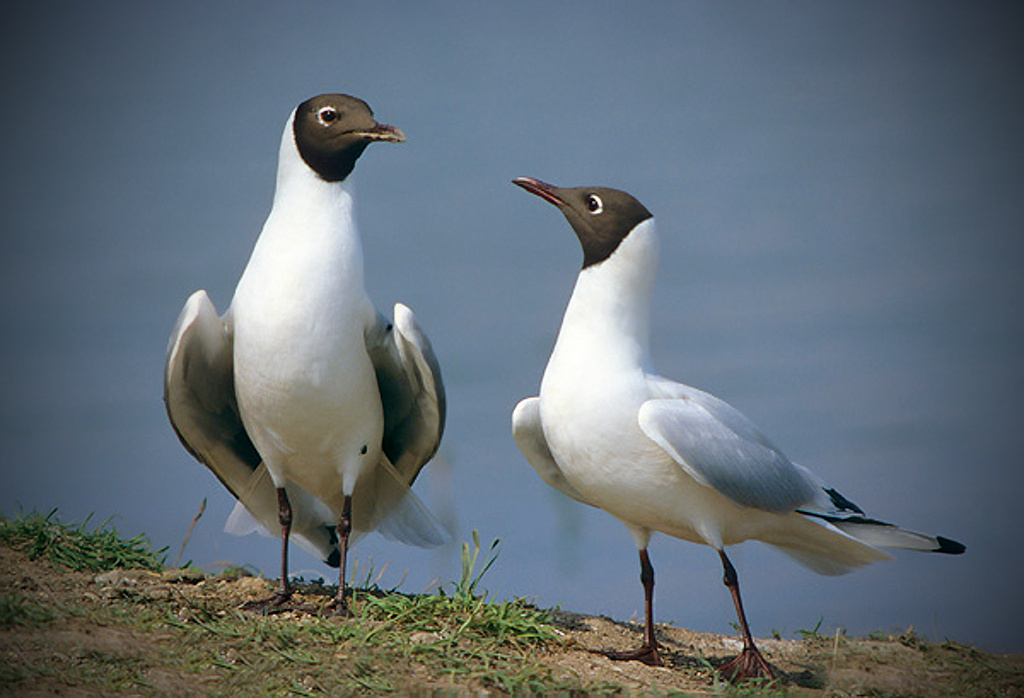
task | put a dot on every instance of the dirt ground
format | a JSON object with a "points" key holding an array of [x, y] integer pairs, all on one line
{"points": [[901, 665], [83, 634]]}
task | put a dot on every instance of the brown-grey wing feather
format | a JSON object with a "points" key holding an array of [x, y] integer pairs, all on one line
{"points": [[411, 390], [199, 394]]}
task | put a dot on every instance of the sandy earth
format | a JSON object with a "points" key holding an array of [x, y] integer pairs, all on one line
{"points": [[901, 665]]}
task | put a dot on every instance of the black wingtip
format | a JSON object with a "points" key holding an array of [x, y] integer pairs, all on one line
{"points": [[951, 547], [841, 503], [334, 559]]}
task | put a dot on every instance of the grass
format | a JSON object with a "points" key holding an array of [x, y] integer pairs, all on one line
{"points": [[813, 633], [464, 638], [17, 610], [76, 547], [437, 637], [64, 628], [393, 643]]}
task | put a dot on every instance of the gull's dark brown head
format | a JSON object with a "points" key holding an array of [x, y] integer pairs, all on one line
{"points": [[332, 130], [601, 217]]}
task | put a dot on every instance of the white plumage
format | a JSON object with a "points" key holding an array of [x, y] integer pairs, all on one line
{"points": [[661, 456], [314, 410]]}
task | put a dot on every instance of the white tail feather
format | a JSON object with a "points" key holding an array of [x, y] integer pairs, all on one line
{"points": [[822, 547], [887, 536], [257, 510], [383, 502]]}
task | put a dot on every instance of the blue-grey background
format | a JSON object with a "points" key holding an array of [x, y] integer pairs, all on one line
{"points": [[839, 190]]}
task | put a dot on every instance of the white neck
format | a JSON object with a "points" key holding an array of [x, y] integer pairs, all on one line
{"points": [[607, 321], [310, 245]]}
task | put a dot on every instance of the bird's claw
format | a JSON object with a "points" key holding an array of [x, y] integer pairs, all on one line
{"points": [[750, 664], [648, 654], [338, 608], [268, 606]]}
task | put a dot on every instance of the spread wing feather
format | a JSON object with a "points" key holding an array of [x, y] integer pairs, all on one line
{"points": [[411, 391], [199, 394]]}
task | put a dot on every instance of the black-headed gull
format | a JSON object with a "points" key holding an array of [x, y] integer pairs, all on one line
{"points": [[662, 456], [308, 405]]}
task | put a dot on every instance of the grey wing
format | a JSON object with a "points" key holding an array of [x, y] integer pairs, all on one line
{"points": [[722, 449], [411, 391], [529, 436], [199, 394]]}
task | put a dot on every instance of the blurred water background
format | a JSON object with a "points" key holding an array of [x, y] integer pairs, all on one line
{"points": [[838, 190]]}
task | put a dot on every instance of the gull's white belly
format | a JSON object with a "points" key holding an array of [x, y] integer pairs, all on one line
{"points": [[309, 400], [603, 453]]}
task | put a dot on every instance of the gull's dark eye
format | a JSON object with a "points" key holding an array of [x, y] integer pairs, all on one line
{"points": [[594, 204], [327, 115]]}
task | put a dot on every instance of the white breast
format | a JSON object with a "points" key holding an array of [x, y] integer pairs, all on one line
{"points": [[305, 385], [591, 393], [594, 382]]}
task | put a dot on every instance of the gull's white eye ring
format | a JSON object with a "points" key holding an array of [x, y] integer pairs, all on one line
{"points": [[327, 116], [594, 204]]}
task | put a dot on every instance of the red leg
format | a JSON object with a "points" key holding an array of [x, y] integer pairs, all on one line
{"points": [[339, 605], [647, 652], [750, 663], [284, 592]]}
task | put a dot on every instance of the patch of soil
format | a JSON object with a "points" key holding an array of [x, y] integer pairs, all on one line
{"points": [[901, 665], [79, 647]]}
